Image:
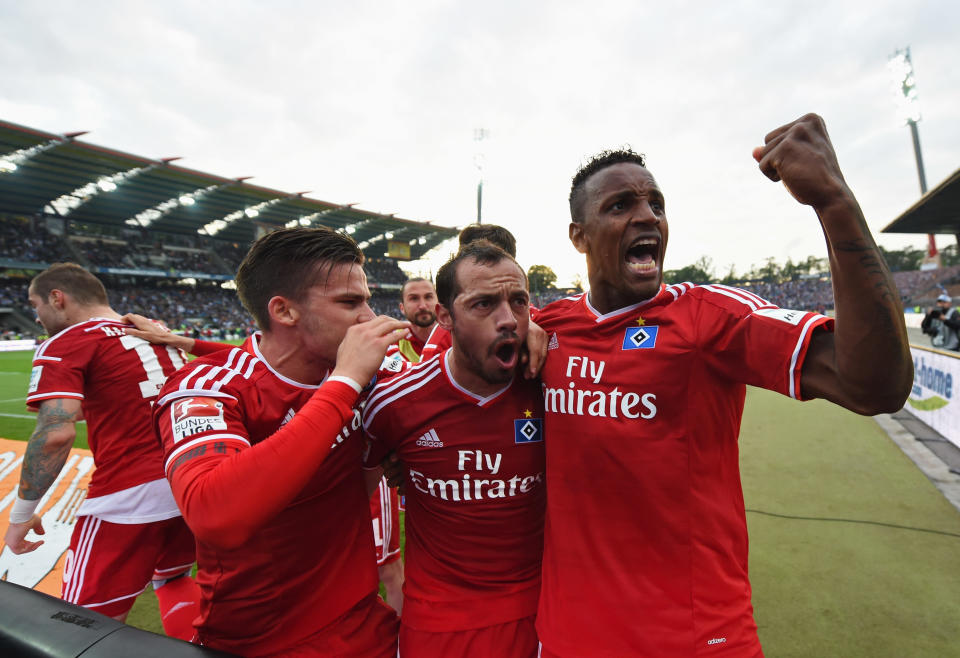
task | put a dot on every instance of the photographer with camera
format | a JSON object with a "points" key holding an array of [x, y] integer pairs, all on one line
{"points": [[942, 323]]}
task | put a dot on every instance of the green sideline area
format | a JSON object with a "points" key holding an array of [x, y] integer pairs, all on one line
{"points": [[853, 552]]}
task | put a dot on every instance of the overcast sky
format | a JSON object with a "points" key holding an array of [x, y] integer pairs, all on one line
{"points": [[377, 103]]}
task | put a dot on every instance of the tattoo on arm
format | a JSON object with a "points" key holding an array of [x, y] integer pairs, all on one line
{"points": [[42, 462]]}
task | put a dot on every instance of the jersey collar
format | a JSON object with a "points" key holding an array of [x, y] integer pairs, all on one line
{"points": [[481, 401], [603, 317]]}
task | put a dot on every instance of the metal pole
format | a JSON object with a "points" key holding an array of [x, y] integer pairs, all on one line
{"points": [[916, 152], [480, 201]]}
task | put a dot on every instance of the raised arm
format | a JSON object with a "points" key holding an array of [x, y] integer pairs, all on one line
{"points": [[46, 453], [865, 364]]}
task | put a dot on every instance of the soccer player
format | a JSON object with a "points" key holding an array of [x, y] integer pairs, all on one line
{"points": [[418, 301], [439, 339], [469, 429], [646, 540], [263, 453], [129, 531]]}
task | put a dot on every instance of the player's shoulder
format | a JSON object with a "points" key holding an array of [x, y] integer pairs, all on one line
{"points": [[722, 298], [230, 373], [414, 383], [563, 308], [77, 338]]}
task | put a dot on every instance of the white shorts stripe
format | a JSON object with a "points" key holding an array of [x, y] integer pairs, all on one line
{"points": [[91, 525]]}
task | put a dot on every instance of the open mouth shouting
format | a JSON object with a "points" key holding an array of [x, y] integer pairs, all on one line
{"points": [[642, 254], [506, 352]]}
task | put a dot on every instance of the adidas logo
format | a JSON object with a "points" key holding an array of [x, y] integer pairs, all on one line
{"points": [[554, 343], [287, 418], [430, 440]]}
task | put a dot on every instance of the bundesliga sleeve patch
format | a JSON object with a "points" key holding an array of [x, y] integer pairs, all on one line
{"points": [[782, 314], [528, 430], [640, 338], [195, 415], [35, 379]]}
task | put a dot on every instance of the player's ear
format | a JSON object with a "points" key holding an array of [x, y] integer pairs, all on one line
{"points": [[283, 311], [444, 317], [56, 299], [577, 237]]}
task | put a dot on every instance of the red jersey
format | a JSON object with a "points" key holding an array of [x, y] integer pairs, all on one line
{"points": [[116, 377], [306, 565], [475, 495], [646, 539], [437, 342]]}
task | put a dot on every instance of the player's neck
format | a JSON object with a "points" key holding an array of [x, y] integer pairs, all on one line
{"points": [[466, 377], [83, 313], [287, 358]]}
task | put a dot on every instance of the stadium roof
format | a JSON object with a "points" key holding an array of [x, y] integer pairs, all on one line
{"points": [[46, 174], [937, 211]]}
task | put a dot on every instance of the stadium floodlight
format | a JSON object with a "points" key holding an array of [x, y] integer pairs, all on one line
{"points": [[67, 203], [351, 230], [11, 161], [251, 212], [901, 66], [412, 242], [292, 223], [147, 217], [304, 221], [187, 200], [388, 235], [904, 85], [422, 241]]}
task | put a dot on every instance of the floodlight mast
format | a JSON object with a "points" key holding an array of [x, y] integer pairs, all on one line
{"points": [[479, 135], [901, 66]]}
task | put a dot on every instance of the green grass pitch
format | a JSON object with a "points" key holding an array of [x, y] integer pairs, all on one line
{"points": [[853, 552]]}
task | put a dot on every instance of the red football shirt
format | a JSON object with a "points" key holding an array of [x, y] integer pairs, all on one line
{"points": [[314, 560], [646, 539], [475, 495], [437, 342], [117, 378]]}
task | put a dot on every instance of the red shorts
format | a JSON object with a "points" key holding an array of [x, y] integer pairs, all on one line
{"points": [[385, 512], [369, 629], [109, 564], [513, 639]]}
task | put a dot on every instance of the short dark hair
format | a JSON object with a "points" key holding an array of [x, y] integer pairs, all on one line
{"points": [[491, 233], [84, 287], [403, 288], [481, 252], [597, 163], [287, 262]]}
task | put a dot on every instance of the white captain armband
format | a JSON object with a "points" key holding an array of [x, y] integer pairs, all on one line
{"points": [[23, 510]]}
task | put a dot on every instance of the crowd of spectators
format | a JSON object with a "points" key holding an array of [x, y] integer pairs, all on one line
{"points": [[22, 240], [384, 270]]}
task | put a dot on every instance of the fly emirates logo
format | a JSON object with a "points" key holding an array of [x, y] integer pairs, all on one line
{"points": [[581, 398], [481, 485]]}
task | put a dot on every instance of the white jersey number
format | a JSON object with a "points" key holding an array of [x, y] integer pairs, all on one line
{"points": [[151, 364]]}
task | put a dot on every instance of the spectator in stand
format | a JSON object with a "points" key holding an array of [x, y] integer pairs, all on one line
{"points": [[942, 324]]}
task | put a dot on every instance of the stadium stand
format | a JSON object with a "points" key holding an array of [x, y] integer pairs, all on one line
{"points": [[162, 237]]}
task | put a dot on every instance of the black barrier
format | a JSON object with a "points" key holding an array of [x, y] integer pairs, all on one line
{"points": [[36, 625]]}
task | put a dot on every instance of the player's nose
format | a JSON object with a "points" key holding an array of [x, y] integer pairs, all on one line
{"points": [[644, 214]]}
